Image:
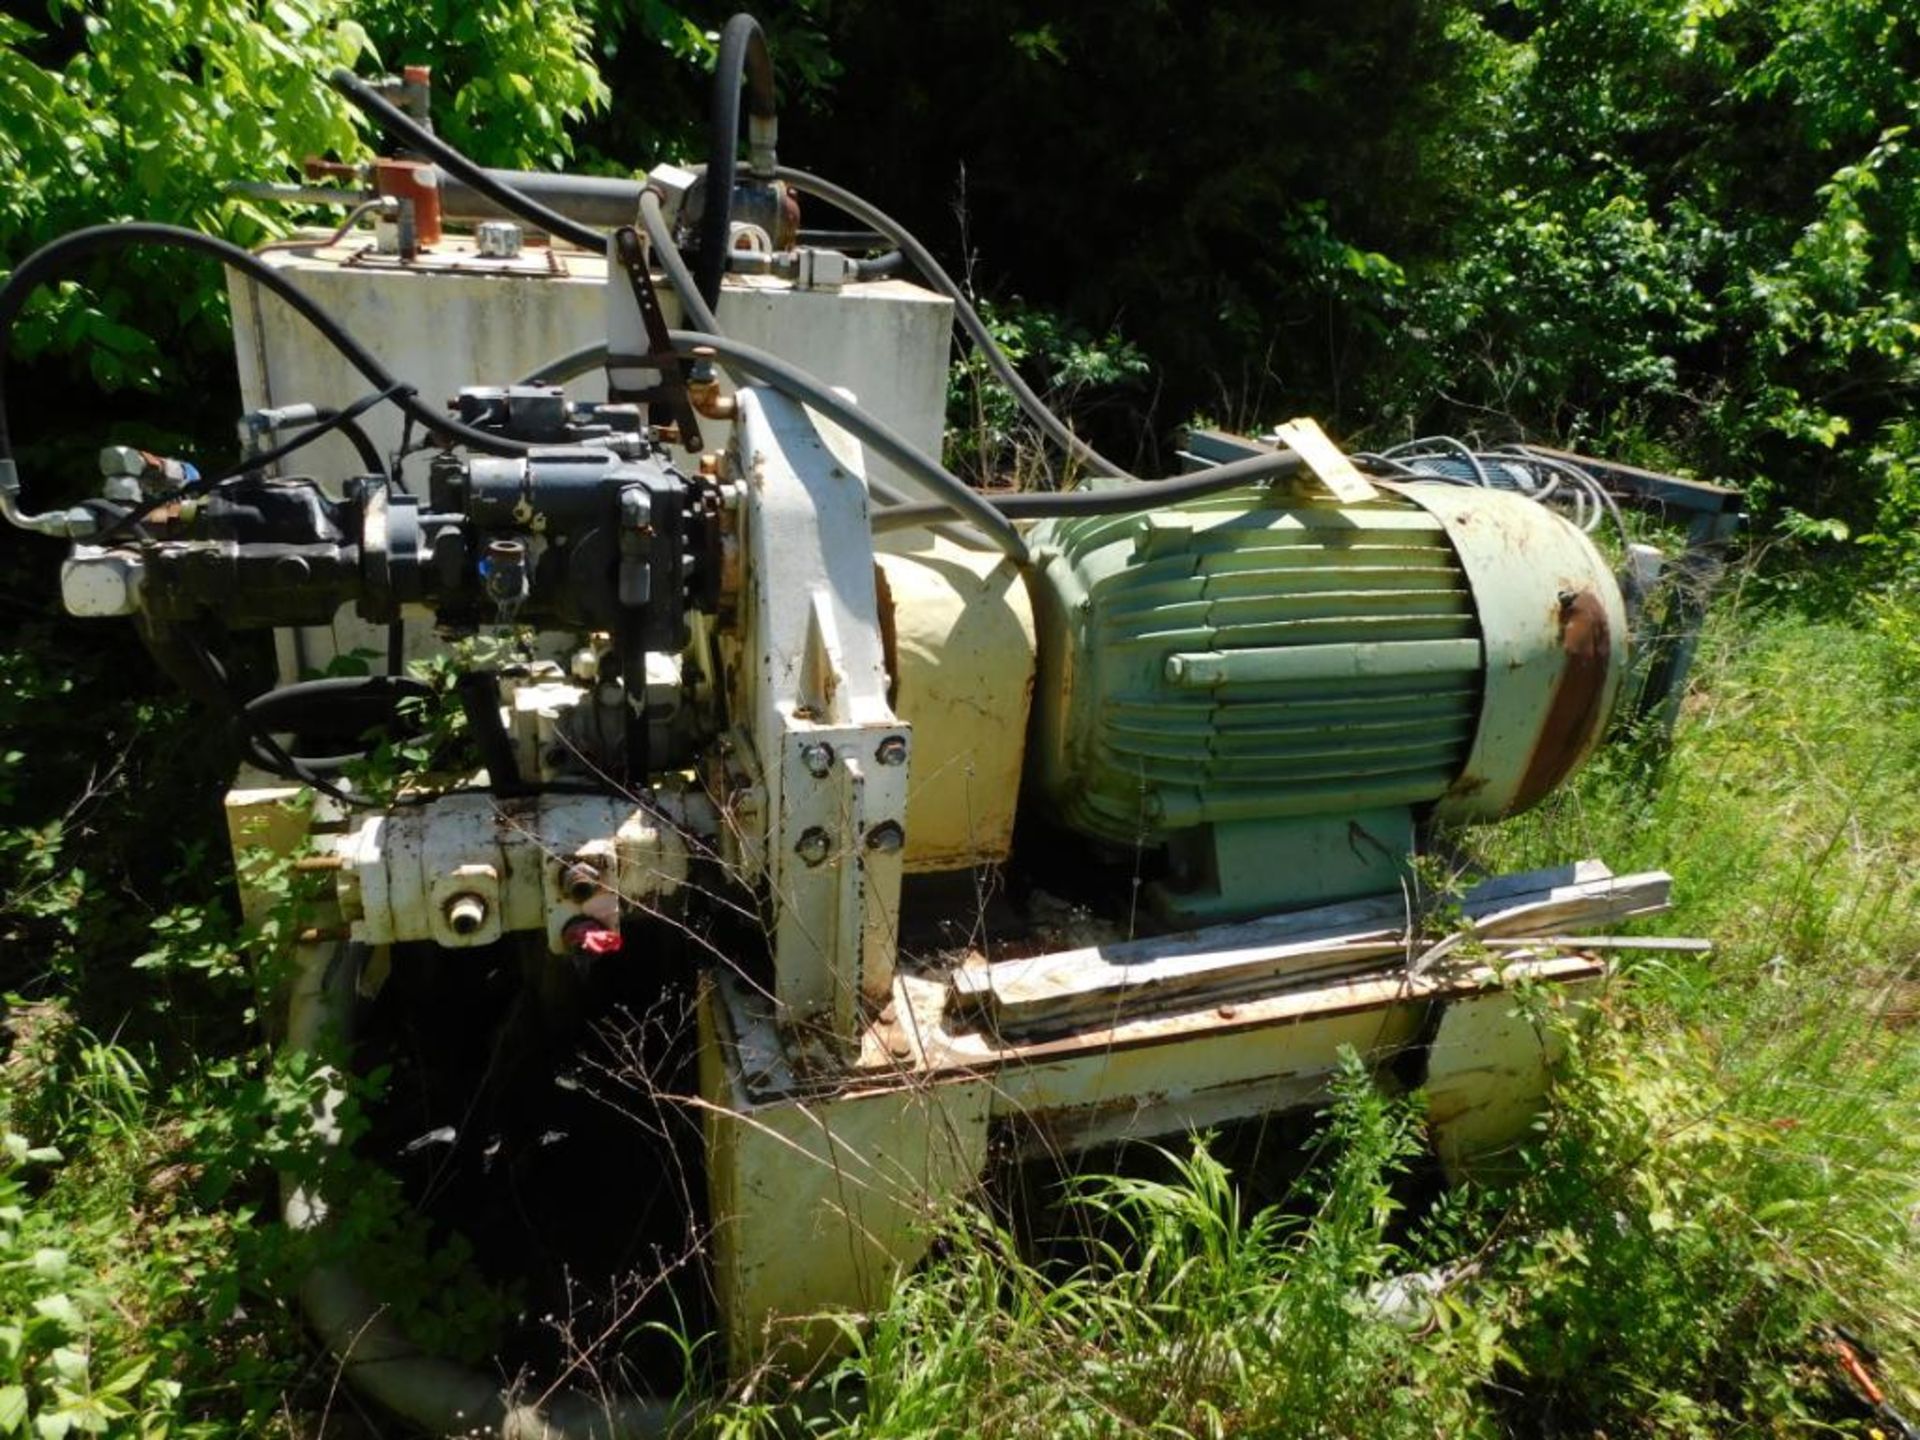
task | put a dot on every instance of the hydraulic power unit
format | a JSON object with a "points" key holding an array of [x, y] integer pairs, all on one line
{"points": [[1050, 818]]}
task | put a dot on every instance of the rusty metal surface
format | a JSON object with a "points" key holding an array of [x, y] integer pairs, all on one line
{"points": [[1554, 635], [1093, 1059], [822, 1179], [1579, 709]]}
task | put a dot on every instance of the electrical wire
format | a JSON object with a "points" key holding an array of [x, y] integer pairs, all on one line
{"points": [[1540, 478], [341, 420], [345, 421]]}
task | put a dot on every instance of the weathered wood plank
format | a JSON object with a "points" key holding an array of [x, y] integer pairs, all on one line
{"points": [[1685, 944], [1096, 983], [1527, 882]]}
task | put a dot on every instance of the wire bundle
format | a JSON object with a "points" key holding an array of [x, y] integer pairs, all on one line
{"points": [[1514, 468]]}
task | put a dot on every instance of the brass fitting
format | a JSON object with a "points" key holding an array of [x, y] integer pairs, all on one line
{"points": [[703, 388]]}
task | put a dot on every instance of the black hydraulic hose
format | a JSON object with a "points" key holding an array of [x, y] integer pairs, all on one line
{"points": [[693, 302], [969, 319], [1022, 505], [259, 743], [340, 705], [1118, 500], [743, 57], [479, 692], [435, 1394], [51, 258], [363, 445], [345, 421], [402, 126], [848, 240], [879, 267], [954, 494]]}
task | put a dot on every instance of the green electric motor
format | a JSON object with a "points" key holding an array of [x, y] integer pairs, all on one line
{"points": [[1270, 693]]}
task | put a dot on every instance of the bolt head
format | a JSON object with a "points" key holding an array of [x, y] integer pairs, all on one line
{"points": [[818, 758], [814, 845], [892, 750], [886, 838]]}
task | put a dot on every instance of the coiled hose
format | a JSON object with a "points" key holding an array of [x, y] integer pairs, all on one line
{"points": [[434, 1393]]}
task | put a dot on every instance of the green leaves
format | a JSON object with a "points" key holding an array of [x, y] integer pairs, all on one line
{"points": [[165, 104], [1698, 237], [1077, 371], [508, 74]]}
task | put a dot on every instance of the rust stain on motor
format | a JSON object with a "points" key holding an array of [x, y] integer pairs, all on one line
{"points": [[1577, 710]]}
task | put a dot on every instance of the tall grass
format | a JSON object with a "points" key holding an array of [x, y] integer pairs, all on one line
{"points": [[1192, 1317]]}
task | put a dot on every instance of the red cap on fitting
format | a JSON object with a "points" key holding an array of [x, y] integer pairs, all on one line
{"points": [[588, 936]]}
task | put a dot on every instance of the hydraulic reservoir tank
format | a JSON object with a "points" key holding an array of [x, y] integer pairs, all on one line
{"points": [[1275, 691]]}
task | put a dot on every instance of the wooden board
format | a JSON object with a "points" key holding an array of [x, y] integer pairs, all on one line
{"points": [[1097, 984]]}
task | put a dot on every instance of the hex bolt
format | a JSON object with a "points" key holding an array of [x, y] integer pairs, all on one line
{"points": [[886, 837], [581, 882], [466, 913], [892, 750], [814, 845], [818, 758]]}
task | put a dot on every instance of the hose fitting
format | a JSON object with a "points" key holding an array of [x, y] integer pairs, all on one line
{"points": [[703, 387], [74, 524]]}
